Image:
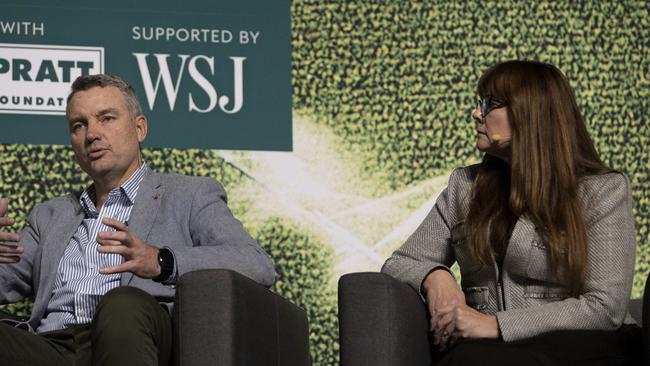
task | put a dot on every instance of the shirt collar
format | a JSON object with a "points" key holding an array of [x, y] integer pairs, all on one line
{"points": [[129, 189]]}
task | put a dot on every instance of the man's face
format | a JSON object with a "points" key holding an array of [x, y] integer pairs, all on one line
{"points": [[103, 134]]}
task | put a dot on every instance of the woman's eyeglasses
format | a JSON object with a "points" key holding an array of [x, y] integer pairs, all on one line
{"points": [[488, 103]]}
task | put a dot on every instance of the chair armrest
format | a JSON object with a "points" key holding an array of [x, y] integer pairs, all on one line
{"points": [[221, 317], [382, 321]]}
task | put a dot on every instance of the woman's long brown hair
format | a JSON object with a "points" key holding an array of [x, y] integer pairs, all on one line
{"points": [[551, 151]]}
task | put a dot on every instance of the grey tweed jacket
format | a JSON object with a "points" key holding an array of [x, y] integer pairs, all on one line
{"points": [[531, 300], [187, 214]]}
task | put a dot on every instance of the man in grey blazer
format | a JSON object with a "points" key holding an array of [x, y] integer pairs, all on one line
{"points": [[101, 262]]}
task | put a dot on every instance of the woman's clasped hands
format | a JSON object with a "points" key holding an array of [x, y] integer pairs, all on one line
{"points": [[451, 318]]}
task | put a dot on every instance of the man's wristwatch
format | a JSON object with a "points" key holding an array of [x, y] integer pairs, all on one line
{"points": [[166, 262]]}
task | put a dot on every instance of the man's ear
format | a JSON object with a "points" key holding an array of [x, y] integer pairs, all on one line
{"points": [[141, 127]]}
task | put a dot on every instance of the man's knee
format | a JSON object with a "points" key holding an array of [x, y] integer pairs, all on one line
{"points": [[126, 301], [130, 320], [128, 309]]}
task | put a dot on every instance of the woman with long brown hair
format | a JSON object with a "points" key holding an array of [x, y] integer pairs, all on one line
{"points": [[541, 229]]}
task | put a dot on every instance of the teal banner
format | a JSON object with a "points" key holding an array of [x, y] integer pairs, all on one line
{"points": [[209, 74]]}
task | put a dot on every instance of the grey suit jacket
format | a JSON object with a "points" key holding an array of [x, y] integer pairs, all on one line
{"points": [[531, 300], [187, 214]]}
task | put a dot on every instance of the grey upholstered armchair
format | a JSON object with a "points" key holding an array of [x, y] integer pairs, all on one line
{"points": [[246, 324], [384, 322]]}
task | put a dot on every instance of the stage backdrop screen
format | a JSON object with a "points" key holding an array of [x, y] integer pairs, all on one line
{"points": [[209, 74]]}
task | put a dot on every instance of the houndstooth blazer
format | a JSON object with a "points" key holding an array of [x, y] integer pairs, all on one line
{"points": [[531, 300]]}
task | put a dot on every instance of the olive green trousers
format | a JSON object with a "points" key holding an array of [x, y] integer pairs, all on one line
{"points": [[129, 328]]}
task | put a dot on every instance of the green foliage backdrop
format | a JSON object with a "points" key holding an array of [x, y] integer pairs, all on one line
{"points": [[303, 266], [397, 78]]}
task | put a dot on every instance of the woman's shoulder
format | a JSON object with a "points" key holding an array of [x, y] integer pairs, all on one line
{"points": [[604, 192], [464, 175], [605, 184], [459, 190]]}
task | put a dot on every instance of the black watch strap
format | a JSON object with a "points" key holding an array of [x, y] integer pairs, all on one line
{"points": [[166, 262]]}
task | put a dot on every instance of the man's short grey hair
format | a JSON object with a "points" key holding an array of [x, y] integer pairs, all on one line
{"points": [[86, 82]]}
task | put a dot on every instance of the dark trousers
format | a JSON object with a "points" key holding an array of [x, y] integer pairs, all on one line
{"points": [[568, 347], [129, 328]]}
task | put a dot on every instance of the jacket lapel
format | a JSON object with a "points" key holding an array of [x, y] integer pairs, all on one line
{"points": [[519, 245], [145, 210], [63, 228]]}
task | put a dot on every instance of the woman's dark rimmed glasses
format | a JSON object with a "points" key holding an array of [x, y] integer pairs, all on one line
{"points": [[488, 103]]}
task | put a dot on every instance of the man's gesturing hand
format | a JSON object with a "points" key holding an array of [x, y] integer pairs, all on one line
{"points": [[8, 253], [139, 258]]}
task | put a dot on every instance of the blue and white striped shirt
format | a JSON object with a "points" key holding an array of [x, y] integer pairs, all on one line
{"points": [[79, 286]]}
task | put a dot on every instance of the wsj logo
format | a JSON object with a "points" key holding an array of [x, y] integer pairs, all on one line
{"points": [[171, 83]]}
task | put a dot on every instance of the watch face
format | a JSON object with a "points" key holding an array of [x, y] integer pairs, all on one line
{"points": [[168, 258], [166, 261]]}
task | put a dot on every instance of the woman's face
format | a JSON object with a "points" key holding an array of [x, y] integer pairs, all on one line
{"points": [[493, 132]]}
